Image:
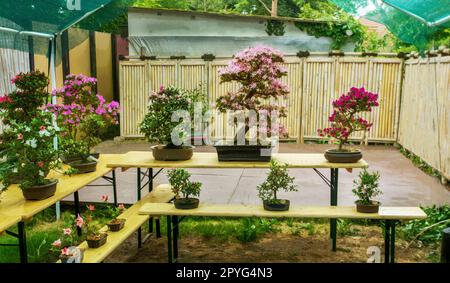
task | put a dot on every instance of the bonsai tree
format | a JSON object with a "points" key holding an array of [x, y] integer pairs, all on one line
{"points": [[83, 115], [366, 187], [179, 180], [345, 119], [158, 126], [112, 212], [277, 180], [258, 71]]}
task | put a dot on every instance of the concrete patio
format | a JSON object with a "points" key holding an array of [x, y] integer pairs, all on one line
{"points": [[402, 183]]}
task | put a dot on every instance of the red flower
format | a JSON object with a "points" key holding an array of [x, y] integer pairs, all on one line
{"points": [[91, 207], [20, 137], [40, 164], [104, 198]]}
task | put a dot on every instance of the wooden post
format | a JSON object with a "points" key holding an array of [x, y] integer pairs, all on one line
{"points": [[274, 10]]}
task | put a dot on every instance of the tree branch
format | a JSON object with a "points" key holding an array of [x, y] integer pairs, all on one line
{"points": [[265, 6]]}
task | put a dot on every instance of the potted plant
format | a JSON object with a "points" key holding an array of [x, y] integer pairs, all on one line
{"points": [[115, 224], [365, 188], [345, 121], [258, 71], [66, 247], [94, 237], [277, 180], [83, 115], [20, 106], [180, 183], [157, 125]]}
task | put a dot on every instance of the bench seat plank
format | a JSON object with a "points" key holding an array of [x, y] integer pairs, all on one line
{"points": [[239, 210], [161, 193], [7, 221], [139, 159]]}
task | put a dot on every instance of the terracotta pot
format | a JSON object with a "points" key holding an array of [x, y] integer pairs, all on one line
{"points": [[40, 192], [336, 156], [368, 208], [97, 242], [186, 203], [164, 153], [250, 153], [84, 166], [282, 205], [116, 225]]}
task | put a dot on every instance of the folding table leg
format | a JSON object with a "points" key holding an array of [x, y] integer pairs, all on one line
{"points": [[169, 239], [114, 186], [77, 209], [333, 202], [387, 241], [392, 241], [175, 236], [22, 242]]}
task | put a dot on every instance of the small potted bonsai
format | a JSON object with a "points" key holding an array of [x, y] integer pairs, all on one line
{"points": [[158, 127], [115, 224], [83, 115], [180, 183], [345, 121], [365, 188], [94, 237], [258, 71], [277, 180], [66, 247]]}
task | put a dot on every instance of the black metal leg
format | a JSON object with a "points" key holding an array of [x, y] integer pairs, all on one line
{"points": [[169, 239], [387, 241], [76, 199], [114, 186], [150, 188], [392, 241], [22, 243], [139, 232], [175, 236], [150, 225], [333, 202]]}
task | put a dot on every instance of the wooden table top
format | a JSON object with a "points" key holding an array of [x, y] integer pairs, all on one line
{"points": [[7, 221], [240, 210], [14, 204], [144, 159]]}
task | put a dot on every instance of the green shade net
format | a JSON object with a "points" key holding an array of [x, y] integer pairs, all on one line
{"points": [[409, 20]]}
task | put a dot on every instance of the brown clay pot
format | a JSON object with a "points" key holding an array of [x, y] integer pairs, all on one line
{"points": [[84, 166], [368, 208], [336, 156], [186, 203], [282, 205], [40, 192], [98, 241], [116, 224], [164, 153]]}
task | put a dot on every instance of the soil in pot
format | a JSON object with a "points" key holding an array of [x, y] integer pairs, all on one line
{"points": [[349, 156], [368, 208], [40, 192], [246, 152], [84, 166], [281, 205], [96, 241], [186, 203], [172, 153], [116, 224]]}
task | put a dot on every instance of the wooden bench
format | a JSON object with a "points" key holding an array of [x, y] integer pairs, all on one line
{"points": [[161, 194], [389, 214], [7, 221]]}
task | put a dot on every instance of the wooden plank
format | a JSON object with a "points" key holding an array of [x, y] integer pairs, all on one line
{"points": [[240, 210], [144, 159], [161, 193], [7, 221], [13, 202]]}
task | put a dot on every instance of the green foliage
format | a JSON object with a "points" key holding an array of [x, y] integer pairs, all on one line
{"points": [[277, 180], [366, 187], [345, 228], [180, 183], [274, 27], [413, 228], [252, 228], [420, 163]]}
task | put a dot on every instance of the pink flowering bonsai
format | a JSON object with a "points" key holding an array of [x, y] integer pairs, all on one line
{"points": [[82, 114], [345, 119], [258, 71]]}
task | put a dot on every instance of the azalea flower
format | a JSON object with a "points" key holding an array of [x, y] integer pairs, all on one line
{"points": [[67, 231], [65, 252], [40, 164], [79, 221], [91, 207], [32, 143], [57, 243], [121, 206], [20, 137]]}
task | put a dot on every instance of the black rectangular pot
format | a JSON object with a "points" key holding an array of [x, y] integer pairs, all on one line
{"points": [[250, 153]]}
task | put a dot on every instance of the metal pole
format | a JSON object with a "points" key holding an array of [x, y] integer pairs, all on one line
{"points": [[77, 209], [150, 188], [114, 186], [333, 202], [392, 241], [387, 232], [445, 247], [169, 239], [175, 236], [139, 198], [22, 242]]}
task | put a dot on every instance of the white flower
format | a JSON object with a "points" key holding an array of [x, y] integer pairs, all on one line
{"points": [[349, 32], [14, 170], [44, 133], [41, 173], [32, 143], [27, 129]]}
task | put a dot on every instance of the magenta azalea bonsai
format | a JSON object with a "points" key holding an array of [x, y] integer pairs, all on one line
{"points": [[345, 119], [258, 71], [83, 115]]}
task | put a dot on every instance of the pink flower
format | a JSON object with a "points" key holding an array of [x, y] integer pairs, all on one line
{"points": [[5, 99], [65, 252], [67, 231], [104, 198], [121, 206], [91, 207], [20, 137], [57, 243], [79, 221], [42, 128]]}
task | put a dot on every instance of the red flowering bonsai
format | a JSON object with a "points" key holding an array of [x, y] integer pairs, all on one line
{"points": [[258, 71], [345, 119]]}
